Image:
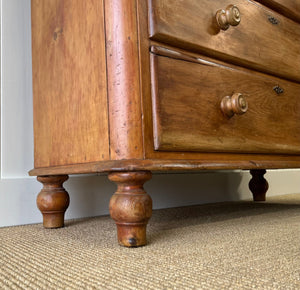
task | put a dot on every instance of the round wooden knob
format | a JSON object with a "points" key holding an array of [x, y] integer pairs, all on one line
{"points": [[236, 104], [230, 16]]}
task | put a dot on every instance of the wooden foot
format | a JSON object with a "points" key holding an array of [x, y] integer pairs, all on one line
{"points": [[131, 207], [53, 200], [258, 184]]}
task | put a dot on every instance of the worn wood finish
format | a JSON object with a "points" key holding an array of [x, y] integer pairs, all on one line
{"points": [[131, 207], [69, 82], [258, 185], [187, 116], [255, 42], [289, 8], [53, 200], [123, 79]]}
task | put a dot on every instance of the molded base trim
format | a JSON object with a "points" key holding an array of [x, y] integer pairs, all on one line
{"points": [[248, 162]]}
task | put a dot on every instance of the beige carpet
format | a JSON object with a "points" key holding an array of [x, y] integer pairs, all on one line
{"points": [[241, 245]]}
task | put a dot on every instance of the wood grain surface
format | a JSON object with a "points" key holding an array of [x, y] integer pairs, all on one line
{"points": [[256, 42], [69, 82], [187, 96]]}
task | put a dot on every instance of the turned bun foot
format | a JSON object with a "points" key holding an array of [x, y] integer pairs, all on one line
{"points": [[131, 207], [53, 200], [258, 184]]}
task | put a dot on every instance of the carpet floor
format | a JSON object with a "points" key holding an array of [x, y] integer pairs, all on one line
{"points": [[240, 245]]}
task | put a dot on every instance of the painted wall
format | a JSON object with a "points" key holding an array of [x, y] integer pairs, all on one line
{"points": [[89, 194]]}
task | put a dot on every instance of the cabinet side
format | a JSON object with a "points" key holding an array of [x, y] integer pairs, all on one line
{"points": [[69, 82], [124, 95]]}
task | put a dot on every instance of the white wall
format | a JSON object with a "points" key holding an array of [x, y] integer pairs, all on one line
{"points": [[89, 194]]}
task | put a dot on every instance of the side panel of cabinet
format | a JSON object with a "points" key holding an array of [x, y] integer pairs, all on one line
{"points": [[69, 82]]}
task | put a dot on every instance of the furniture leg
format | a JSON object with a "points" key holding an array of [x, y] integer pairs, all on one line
{"points": [[53, 200], [131, 207], [258, 184]]}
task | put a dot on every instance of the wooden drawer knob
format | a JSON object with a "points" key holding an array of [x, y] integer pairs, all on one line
{"points": [[230, 16], [236, 104]]}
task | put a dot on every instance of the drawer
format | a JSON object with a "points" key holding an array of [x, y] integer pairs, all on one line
{"points": [[289, 8], [186, 96], [263, 40]]}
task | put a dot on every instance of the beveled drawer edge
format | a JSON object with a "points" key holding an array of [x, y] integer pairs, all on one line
{"points": [[162, 51]]}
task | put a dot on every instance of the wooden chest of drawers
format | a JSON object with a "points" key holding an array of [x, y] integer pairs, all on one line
{"points": [[133, 86]]}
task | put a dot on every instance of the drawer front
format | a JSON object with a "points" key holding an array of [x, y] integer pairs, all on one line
{"points": [[289, 8], [263, 40], [187, 116]]}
